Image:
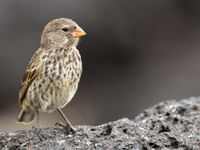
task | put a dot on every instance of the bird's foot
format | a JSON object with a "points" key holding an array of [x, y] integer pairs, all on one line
{"points": [[68, 129], [39, 131]]}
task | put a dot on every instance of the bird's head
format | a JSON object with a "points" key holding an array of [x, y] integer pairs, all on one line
{"points": [[61, 32]]}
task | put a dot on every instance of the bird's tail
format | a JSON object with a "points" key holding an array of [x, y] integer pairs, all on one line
{"points": [[26, 116]]}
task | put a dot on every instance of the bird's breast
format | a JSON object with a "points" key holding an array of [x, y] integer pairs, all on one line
{"points": [[66, 67], [59, 80]]}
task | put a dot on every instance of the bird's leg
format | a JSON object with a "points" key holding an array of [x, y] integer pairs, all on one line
{"points": [[38, 120], [69, 128], [38, 129]]}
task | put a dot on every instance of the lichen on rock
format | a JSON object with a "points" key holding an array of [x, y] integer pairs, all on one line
{"points": [[167, 125]]}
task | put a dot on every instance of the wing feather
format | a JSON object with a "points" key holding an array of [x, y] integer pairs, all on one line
{"points": [[26, 81], [31, 73]]}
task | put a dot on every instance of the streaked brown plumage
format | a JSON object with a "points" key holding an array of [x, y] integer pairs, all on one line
{"points": [[54, 71]]}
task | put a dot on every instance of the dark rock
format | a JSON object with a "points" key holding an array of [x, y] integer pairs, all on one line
{"points": [[167, 125]]}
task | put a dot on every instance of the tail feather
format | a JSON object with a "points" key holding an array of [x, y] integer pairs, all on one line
{"points": [[26, 116]]}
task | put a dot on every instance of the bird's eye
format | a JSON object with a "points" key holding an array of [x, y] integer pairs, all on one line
{"points": [[65, 29]]}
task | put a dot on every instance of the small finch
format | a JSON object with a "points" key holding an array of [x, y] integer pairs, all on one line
{"points": [[53, 73]]}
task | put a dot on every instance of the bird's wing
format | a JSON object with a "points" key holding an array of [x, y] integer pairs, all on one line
{"points": [[32, 71]]}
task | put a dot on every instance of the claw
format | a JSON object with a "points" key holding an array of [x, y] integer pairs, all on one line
{"points": [[68, 129], [39, 132], [60, 124]]}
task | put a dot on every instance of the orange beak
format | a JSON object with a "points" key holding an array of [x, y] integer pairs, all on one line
{"points": [[78, 32]]}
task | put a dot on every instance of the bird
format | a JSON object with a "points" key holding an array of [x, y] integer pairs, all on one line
{"points": [[52, 76]]}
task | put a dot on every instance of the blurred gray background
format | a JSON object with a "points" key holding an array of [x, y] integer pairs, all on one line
{"points": [[135, 54]]}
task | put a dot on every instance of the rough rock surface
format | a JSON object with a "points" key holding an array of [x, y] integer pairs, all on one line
{"points": [[167, 125]]}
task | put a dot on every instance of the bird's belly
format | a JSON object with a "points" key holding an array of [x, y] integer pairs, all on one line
{"points": [[47, 94], [54, 87], [57, 95]]}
